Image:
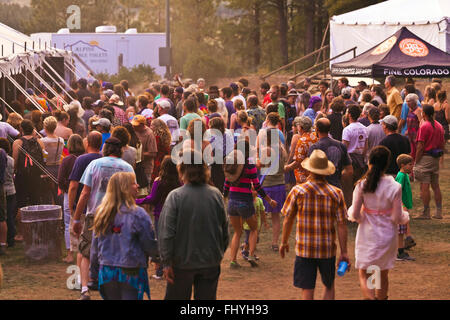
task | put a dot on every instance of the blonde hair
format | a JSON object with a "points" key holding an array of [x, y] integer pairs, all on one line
{"points": [[50, 124], [118, 193], [161, 130]]}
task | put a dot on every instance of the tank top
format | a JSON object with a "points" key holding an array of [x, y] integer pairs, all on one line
{"points": [[54, 148], [440, 117]]}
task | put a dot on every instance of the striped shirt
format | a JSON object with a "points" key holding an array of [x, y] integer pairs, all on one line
{"points": [[318, 206], [243, 190]]}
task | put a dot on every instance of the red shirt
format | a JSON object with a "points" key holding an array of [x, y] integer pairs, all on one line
{"points": [[267, 100], [433, 138]]}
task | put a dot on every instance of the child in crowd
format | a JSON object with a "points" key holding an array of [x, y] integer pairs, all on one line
{"points": [[405, 163], [261, 217]]}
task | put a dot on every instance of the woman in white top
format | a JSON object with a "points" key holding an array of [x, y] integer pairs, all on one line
{"points": [[377, 208], [54, 146]]}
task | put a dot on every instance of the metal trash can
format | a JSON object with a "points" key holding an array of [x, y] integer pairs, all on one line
{"points": [[42, 232]]}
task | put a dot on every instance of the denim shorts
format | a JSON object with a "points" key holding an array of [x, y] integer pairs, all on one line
{"points": [[240, 208]]}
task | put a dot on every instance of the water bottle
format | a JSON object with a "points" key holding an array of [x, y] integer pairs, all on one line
{"points": [[342, 268]]}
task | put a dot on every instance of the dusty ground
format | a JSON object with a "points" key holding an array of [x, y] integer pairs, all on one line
{"points": [[425, 278]]}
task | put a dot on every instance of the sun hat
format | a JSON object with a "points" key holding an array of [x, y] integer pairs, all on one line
{"points": [[72, 105], [233, 165], [138, 120], [102, 122], [318, 163], [164, 104], [390, 120], [115, 99]]}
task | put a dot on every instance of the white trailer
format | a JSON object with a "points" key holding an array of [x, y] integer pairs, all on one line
{"points": [[106, 50]]}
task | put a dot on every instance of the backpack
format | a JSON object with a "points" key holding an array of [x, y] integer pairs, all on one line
{"points": [[27, 165], [291, 113], [232, 169]]}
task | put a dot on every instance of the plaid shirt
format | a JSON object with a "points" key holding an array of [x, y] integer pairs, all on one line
{"points": [[318, 205]]}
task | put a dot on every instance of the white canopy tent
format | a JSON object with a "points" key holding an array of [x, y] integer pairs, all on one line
{"points": [[20, 55], [364, 28]]}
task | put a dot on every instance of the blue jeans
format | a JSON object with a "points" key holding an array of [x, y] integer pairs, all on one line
{"points": [[66, 211], [11, 213]]}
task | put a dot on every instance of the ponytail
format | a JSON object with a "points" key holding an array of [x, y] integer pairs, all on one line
{"points": [[372, 178], [379, 159]]}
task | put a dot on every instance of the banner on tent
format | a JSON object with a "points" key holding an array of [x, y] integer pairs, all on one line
{"points": [[379, 71]]}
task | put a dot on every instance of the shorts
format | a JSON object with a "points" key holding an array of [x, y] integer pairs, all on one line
{"points": [[84, 246], [305, 272], [402, 228], [239, 208], [427, 170], [277, 193], [2, 204], [74, 240]]}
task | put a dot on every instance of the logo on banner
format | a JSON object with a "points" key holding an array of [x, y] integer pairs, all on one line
{"points": [[413, 48], [385, 46]]}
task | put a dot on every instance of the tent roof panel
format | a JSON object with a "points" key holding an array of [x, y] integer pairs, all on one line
{"points": [[398, 12]]}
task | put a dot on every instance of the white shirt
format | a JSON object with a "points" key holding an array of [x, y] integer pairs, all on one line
{"points": [[241, 98], [148, 113], [356, 135], [172, 123]]}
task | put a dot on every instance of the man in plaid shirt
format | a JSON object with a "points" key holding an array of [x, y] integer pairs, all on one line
{"points": [[317, 205]]}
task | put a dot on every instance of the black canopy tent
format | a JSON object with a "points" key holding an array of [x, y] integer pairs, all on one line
{"points": [[403, 54]]}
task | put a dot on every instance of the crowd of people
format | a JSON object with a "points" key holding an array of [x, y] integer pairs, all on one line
{"points": [[337, 154]]}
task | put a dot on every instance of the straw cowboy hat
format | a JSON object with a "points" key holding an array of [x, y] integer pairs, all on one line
{"points": [[318, 163], [72, 105]]}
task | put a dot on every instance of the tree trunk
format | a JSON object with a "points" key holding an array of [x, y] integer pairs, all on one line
{"points": [[256, 35], [309, 36], [283, 28]]}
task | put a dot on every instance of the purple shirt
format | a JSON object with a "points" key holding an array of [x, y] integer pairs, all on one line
{"points": [[230, 107], [153, 199]]}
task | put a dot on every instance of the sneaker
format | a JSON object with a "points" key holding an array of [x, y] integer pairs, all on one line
{"points": [[157, 277], [234, 265], [244, 254], [93, 285], [409, 243], [85, 296], [252, 261], [405, 257], [256, 257]]}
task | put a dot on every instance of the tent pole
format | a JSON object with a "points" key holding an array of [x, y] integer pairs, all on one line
{"points": [[44, 82], [56, 82], [4, 96], [57, 74], [22, 90]]}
